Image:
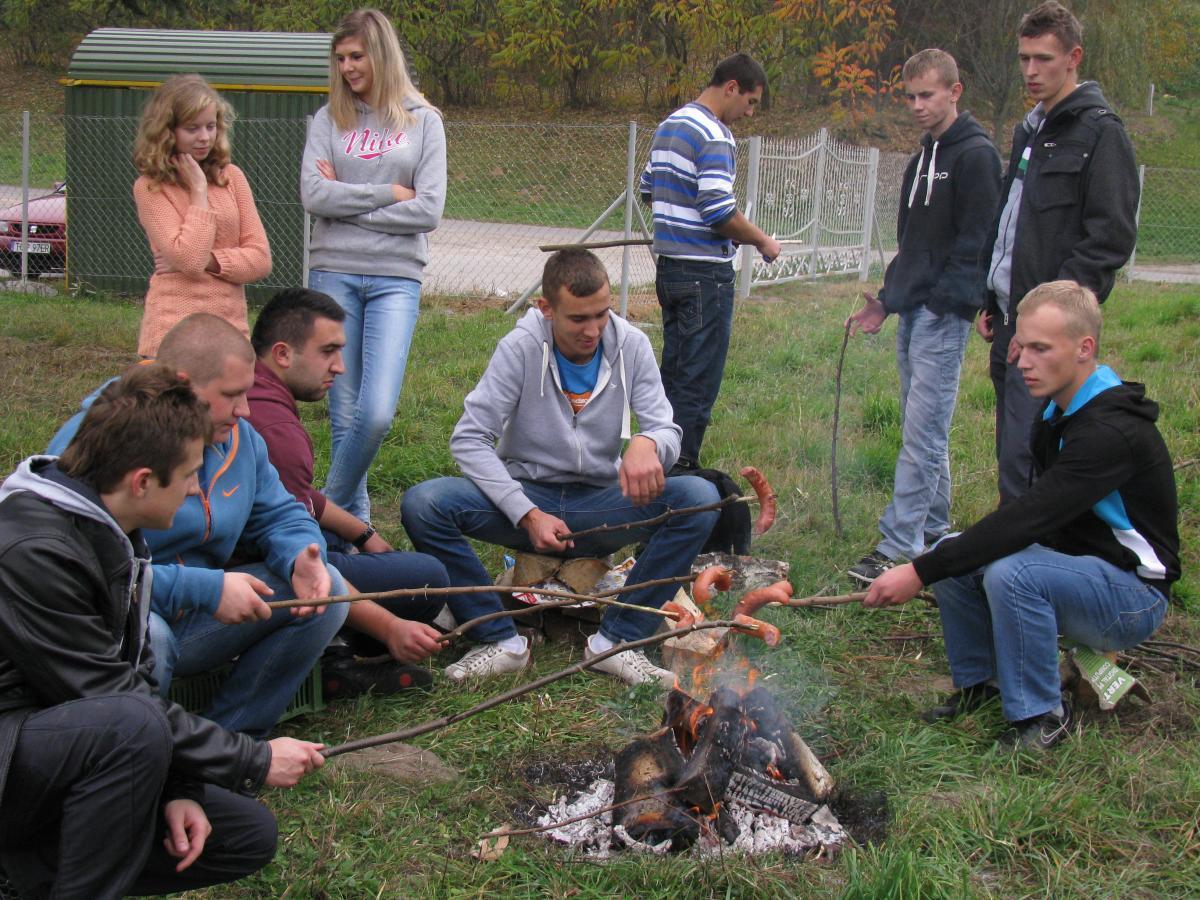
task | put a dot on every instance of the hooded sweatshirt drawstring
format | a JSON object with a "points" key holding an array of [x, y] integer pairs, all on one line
{"points": [[912, 193]]}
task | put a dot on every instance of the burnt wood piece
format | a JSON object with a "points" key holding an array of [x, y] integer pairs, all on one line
{"points": [[685, 716], [650, 767], [727, 826], [798, 762], [766, 795], [703, 780]]}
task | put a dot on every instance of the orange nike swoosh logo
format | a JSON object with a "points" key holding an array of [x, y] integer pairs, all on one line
{"points": [[231, 491]]}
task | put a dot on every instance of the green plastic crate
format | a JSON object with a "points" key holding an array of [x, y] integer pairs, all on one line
{"points": [[195, 692]]}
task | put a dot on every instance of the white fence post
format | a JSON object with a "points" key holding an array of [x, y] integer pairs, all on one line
{"points": [[818, 200], [1150, 100], [864, 268], [630, 200], [746, 274], [24, 196]]}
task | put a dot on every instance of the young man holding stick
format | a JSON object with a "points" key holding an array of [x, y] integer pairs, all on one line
{"points": [[546, 446], [108, 788], [934, 285], [1089, 551]]}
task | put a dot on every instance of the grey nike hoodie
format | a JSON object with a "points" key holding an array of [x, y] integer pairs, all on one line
{"points": [[360, 229], [517, 424]]}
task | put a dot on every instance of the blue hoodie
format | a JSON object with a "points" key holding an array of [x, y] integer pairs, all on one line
{"points": [[242, 501]]}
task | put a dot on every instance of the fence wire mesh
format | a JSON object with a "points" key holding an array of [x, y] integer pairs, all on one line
{"points": [[511, 189], [1169, 219]]}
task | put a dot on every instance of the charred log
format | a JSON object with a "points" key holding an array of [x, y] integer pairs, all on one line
{"points": [[650, 767], [708, 770]]}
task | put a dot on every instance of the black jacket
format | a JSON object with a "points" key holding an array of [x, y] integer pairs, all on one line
{"points": [[944, 226], [74, 604], [1077, 216], [1105, 488]]}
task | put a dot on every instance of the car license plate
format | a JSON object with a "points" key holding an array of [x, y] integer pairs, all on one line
{"points": [[15, 247]]}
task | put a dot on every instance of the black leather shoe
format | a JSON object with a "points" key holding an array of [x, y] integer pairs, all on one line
{"points": [[960, 703]]}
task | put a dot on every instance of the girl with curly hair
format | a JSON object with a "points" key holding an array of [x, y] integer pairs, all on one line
{"points": [[197, 210]]}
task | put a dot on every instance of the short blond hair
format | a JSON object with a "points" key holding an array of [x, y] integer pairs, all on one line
{"points": [[180, 99], [932, 60], [201, 344], [1078, 305]]}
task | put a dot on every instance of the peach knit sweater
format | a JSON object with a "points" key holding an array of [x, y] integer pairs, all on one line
{"points": [[230, 230]]}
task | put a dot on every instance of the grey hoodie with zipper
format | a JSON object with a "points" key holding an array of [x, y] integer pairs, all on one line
{"points": [[519, 403], [360, 228]]}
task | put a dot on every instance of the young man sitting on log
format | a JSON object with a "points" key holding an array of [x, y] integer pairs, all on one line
{"points": [[108, 788], [546, 446], [1089, 552]]}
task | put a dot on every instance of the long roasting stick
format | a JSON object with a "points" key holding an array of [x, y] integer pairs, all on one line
{"points": [[835, 599], [477, 589], [444, 721], [662, 517]]}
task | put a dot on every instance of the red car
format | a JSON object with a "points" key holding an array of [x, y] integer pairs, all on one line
{"points": [[47, 234]]}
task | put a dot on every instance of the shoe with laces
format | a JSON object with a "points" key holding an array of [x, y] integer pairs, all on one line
{"points": [[485, 661], [632, 667], [871, 567], [1039, 733]]}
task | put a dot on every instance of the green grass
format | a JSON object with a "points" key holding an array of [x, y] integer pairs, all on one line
{"points": [[1113, 813]]}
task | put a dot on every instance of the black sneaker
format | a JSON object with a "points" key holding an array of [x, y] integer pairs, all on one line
{"points": [[343, 678], [871, 567], [1039, 733], [960, 703]]}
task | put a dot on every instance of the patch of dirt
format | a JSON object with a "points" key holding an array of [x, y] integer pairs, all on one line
{"points": [[571, 775], [864, 815], [403, 762]]}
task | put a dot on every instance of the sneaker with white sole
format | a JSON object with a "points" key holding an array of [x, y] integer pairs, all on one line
{"points": [[871, 567], [632, 667], [485, 661]]}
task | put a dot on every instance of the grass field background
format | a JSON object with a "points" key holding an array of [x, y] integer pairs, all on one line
{"points": [[1111, 813]]}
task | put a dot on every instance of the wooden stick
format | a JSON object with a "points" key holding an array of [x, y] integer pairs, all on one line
{"points": [[475, 589], [836, 599], [837, 412], [444, 721], [572, 600], [597, 245], [682, 511]]}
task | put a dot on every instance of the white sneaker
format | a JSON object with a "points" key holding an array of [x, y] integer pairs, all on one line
{"points": [[485, 661], [632, 667]]}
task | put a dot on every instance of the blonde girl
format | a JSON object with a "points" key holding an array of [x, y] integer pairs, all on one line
{"points": [[374, 178]]}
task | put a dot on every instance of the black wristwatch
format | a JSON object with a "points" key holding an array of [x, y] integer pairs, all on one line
{"points": [[361, 541]]}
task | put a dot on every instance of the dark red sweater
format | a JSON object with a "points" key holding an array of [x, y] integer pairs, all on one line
{"points": [[274, 415]]}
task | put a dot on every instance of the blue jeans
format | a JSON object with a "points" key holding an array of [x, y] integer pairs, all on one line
{"points": [[929, 354], [375, 572], [440, 514], [273, 655], [697, 317], [1002, 622], [381, 316], [1016, 413]]}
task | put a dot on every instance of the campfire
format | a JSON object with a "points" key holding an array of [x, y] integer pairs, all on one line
{"points": [[725, 773]]}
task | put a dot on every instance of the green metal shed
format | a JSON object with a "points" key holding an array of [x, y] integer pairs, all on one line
{"points": [[272, 80]]}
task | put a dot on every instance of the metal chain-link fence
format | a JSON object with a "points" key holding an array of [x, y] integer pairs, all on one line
{"points": [[512, 188], [1168, 221], [32, 207]]}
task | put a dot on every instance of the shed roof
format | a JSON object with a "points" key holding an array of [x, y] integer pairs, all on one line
{"points": [[228, 60]]}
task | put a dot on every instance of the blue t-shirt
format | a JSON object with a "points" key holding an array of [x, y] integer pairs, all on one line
{"points": [[578, 379]]}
